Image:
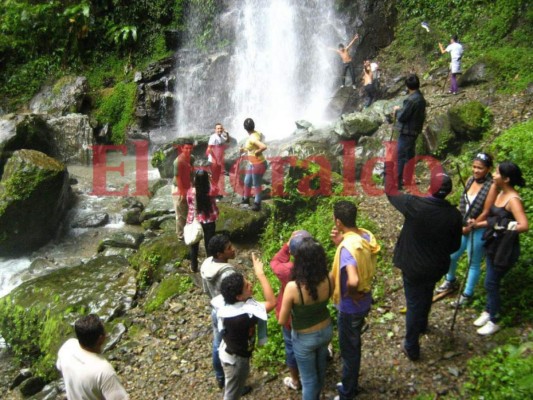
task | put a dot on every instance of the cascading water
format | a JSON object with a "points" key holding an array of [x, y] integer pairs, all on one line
{"points": [[279, 70]]}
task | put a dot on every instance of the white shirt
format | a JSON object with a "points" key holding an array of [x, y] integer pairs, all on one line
{"points": [[88, 376], [216, 140], [456, 52]]}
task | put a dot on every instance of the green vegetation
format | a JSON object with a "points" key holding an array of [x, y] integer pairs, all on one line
{"points": [[34, 335], [505, 373], [169, 287], [498, 32]]}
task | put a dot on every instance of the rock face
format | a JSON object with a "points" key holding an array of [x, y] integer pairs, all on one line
{"points": [[73, 137], [34, 195], [67, 95]]}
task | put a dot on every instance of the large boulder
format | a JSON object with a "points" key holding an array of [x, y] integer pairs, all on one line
{"points": [[34, 195], [469, 120], [103, 285], [73, 137], [67, 95], [476, 74], [26, 131], [439, 137]]}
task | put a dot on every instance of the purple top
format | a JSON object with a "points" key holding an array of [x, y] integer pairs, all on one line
{"points": [[347, 304]]}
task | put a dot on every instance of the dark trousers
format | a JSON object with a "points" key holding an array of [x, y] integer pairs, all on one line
{"points": [[419, 297], [349, 327], [493, 280], [209, 232], [347, 67], [406, 151]]}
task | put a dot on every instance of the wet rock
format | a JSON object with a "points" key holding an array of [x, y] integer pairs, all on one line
{"points": [[93, 220], [21, 377], [132, 216], [130, 240], [476, 74], [73, 136], [34, 195], [115, 336]]}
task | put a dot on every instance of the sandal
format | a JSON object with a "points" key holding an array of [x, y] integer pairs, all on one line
{"points": [[287, 381]]}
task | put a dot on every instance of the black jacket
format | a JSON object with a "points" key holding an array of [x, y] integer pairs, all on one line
{"points": [[431, 231], [410, 118]]}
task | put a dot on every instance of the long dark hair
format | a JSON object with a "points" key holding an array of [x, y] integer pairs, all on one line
{"points": [[202, 186], [310, 266]]}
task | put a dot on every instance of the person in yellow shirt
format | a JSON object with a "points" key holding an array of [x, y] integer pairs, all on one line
{"points": [[253, 148]]}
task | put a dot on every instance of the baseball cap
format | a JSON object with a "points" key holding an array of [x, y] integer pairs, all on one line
{"points": [[443, 185]]}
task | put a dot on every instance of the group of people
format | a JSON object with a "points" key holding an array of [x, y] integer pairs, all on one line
{"points": [[195, 191], [434, 236]]}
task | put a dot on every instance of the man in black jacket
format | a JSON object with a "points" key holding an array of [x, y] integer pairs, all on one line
{"points": [[409, 122], [431, 232]]}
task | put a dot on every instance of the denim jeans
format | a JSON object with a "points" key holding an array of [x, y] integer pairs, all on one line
{"points": [[254, 177], [217, 338], [290, 359], [475, 255], [345, 68], [419, 297], [311, 351], [349, 327], [492, 285], [406, 151]]}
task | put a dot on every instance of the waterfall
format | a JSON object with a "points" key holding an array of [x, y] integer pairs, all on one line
{"points": [[279, 69]]}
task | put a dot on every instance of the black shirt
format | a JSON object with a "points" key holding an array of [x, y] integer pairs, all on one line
{"points": [[239, 335]]}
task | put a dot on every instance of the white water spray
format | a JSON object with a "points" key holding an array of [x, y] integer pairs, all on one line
{"points": [[280, 71]]}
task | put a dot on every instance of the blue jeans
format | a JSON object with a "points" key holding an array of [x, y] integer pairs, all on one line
{"points": [[406, 151], [217, 338], [254, 177], [419, 297], [290, 359], [311, 351], [475, 256], [349, 327], [492, 285]]}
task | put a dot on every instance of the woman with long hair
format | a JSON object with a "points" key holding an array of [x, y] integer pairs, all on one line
{"points": [[305, 300], [475, 203], [204, 208], [506, 220]]}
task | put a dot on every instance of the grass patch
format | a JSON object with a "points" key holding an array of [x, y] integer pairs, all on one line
{"points": [[169, 287]]}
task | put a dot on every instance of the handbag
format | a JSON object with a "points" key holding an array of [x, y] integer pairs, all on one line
{"points": [[193, 232]]}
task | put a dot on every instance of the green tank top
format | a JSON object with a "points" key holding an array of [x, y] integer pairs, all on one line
{"points": [[306, 315]]}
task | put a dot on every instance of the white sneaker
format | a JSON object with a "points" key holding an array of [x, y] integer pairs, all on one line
{"points": [[483, 319], [488, 329]]}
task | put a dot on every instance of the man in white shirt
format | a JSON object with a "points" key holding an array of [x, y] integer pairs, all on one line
{"points": [[87, 374], [456, 52], [215, 156]]}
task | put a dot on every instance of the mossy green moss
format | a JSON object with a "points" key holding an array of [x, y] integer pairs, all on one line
{"points": [[470, 119], [169, 287], [116, 108]]}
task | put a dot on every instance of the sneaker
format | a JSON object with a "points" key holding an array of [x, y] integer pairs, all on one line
{"points": [[287, 381], [488, 329], [463, 301], [447, 286], [483, 319], [256, 207], [245, 201]]}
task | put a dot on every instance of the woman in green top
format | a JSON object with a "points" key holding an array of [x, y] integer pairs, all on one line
{"points": [[306, 299]]}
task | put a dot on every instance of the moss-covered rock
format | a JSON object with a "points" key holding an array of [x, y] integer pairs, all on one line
{"points": [[242, 225], [169, 287], [439, 138], [469, 120], [104, 285], [34, 195]]}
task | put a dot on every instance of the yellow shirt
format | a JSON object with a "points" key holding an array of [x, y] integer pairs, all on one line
{"points": [[251, 148]]}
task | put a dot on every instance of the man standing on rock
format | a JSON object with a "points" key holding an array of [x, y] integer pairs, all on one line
{"points": [[183, 167], [86, 373], [213, 270], [347, 64], [409, 122], [354, 266], [431, 231], [215, 156]]}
